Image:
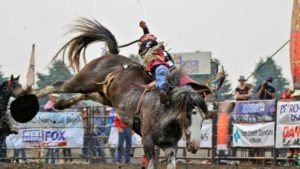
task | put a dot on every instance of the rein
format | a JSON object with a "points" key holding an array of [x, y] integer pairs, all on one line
{"points": [[128, 44]]}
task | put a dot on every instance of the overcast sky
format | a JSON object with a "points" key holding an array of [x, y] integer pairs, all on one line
{"points": [[237, 32]]}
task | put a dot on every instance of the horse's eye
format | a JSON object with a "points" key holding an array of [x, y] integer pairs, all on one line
{"points": [[194, 112]]}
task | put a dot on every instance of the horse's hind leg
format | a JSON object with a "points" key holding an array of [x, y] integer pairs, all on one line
{"points": [[171, 157], [149, 150]]}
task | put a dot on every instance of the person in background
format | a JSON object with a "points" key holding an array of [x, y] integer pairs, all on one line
{"points": [[49, 106], [53, 152], [98, 132], [124, 136], [287, 94], [84, 115], [110, 125], [16, 155], [67, 153], [243, 92], [266, 91]]}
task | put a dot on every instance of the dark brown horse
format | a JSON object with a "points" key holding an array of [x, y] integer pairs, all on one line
{"points": [[117, 81]]}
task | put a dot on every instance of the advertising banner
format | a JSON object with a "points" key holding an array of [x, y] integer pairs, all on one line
{"points": [[206, 136], [288, 125], [194, 63], [253, 135], [254, 111], [49, 129]]}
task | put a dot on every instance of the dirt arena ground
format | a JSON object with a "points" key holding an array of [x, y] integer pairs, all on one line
{"points": [[133, 166]]}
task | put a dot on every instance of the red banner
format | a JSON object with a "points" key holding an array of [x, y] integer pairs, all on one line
{"points": [[295, 45]]}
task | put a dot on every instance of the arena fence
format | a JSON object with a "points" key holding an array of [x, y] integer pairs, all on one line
{"points": [[256, 132]]}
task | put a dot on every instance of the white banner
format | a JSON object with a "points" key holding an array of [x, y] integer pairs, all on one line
{"points": [[206, 136], [194, 63], [49, 129], [288, 125], [253, 135]]}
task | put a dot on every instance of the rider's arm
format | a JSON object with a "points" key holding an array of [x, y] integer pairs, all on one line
{"points": [[144, 27]]}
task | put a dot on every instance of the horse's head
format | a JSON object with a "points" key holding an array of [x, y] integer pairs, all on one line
{"points": [[12, 86], [192, 110]]}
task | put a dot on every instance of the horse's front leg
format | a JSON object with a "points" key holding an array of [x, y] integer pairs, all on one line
{"points": [[171, 157], [149, 150]]}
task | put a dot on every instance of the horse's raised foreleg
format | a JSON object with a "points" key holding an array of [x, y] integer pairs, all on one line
{"points": [[65, 103], [171, 157], [149, 150]]}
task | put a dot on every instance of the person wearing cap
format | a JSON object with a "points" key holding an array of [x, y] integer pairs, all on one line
{"points": [[266, 91], [242, 92], [49, 106], [157, 61], [52, 152]]}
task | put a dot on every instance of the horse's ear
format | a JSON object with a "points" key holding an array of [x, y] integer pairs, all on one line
{"points": [[18, 78], [12, 77]]}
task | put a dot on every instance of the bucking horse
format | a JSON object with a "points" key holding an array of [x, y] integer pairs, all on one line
{"points": [[117, 81]]}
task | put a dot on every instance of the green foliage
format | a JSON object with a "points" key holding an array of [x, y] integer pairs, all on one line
{"points": [[269, 68], [57, 72], [2, 77]]}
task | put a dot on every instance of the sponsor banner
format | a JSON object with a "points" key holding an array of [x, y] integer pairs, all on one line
{"points": [[206, 136], [253, 135], [49, 129], [288, 136], [194, 63], [254, 111], [288, 124], [288, 112]]}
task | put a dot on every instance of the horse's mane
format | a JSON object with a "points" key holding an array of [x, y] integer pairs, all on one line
{"points": [[90, 31], [186, 99]]}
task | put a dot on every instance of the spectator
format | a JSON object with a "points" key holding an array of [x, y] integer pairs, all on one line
{"points": [[99, 131], [243, 92], [16, 155], [53, 152], [287, 94], [124, 136], [84, 115], [49, 106], [110, 126], [3, 148], [266, 91], [67, 153]]}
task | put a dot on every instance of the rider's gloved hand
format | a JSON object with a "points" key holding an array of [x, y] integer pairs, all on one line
{"points": [[143, 24]]}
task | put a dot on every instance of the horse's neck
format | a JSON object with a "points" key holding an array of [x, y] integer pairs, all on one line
{"points": [[4, 99]]}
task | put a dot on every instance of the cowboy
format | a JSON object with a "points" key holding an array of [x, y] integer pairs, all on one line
{"points": [[157, 61]]}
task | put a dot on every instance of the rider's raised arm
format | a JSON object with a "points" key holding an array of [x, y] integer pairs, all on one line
{"points": [[144, 27]]}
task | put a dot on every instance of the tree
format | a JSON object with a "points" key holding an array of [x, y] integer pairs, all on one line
{"points": [[269, 68], [2, 77], [57, 72]]}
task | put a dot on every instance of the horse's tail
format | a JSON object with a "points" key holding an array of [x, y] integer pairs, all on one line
{"points": [[185, 99], [90, 31]]}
